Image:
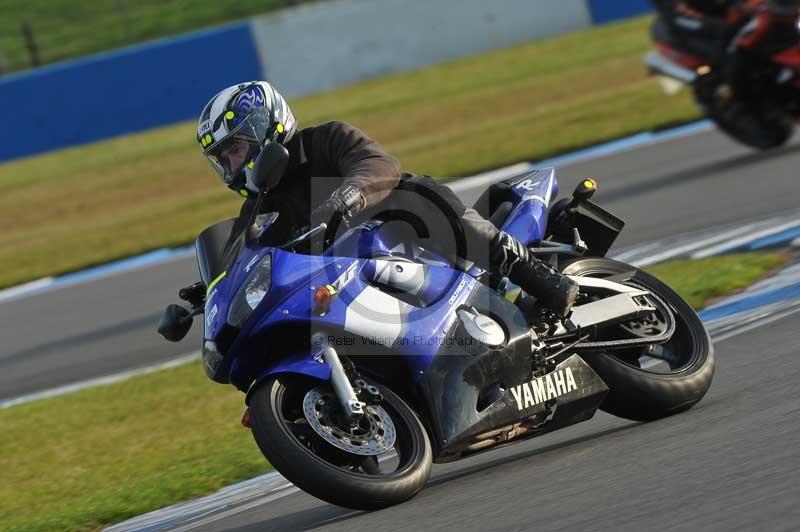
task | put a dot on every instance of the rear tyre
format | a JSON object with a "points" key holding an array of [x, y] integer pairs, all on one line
{"points": [[319, 468], [685, 362]]}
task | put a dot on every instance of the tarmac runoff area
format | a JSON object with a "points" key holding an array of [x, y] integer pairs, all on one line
{"points": [[768, 301], [780, 296], [764, 303], [165, 255], [101, 322]]}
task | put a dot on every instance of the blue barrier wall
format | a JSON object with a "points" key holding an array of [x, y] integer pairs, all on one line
{"points": [[169, 80], [607, 10], [120, 92]]}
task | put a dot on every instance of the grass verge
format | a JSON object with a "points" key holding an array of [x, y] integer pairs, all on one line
{"points": [[82, 206], [63, 29], [703, 280], [103, 455]]}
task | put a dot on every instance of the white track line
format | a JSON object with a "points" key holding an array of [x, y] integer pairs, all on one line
{"points": [[249, 494], [221, 504], [639, 256], [743, 240], [100, 381], [487, 178], [766, 320], [290, 488], [245, 494], [21, 290], [677, 251], [160, 256]]}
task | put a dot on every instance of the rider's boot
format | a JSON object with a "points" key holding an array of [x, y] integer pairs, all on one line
{"points": [[510, 258]]}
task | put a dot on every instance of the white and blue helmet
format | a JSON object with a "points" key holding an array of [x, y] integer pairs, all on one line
{"points": [[248, 115]]}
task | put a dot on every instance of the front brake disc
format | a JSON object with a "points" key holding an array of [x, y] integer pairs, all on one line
{"points": [[371, 434]]}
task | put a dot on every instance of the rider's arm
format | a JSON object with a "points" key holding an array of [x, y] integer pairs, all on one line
{"points": [[361, 161]]}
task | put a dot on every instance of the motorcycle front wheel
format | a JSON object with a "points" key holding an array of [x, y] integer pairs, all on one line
{"points": [[662, 379], [376, 461], [761, 125]]}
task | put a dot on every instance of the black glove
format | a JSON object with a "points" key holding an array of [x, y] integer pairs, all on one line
{"points": [[343, 204], [194, 294]]}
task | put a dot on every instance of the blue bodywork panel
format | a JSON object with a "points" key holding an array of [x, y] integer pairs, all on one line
{"points": [[386, 298]]}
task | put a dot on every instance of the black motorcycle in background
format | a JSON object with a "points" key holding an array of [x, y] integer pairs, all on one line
{"points": [[763, 116]]}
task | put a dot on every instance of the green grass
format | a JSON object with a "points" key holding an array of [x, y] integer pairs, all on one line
{"points": [[103, 455], [65, 29], [703, 280], [78, 207]]}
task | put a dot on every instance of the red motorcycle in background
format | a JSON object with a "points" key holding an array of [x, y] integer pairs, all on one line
{"points": [[773, 102]]}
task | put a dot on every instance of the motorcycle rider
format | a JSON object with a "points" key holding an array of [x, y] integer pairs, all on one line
{"points": [[336, 172], [732, 32]]}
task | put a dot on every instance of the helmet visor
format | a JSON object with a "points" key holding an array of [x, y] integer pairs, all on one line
{"points": [[229, 155]]}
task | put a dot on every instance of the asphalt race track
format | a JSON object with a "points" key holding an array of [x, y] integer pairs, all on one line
{"points": [[729, 464], [105, 326]]}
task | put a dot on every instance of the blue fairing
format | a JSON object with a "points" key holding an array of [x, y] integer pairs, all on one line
{"points": [[360, 310], [308, 363], [528, 219], [388, 297]]}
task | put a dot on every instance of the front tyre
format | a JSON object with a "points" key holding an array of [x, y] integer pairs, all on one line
{"points": [[759, 124], [765, 128], [659, 381], [327, 470]]}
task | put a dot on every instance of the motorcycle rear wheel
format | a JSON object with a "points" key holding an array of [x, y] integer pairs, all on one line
{"points": [[636, 391], [327, 472]]}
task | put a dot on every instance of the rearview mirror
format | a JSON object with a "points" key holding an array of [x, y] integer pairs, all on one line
{"points": [[270, 166], [175, 323]]}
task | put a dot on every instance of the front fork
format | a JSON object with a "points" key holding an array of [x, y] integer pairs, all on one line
{"points": [[341, 383]]}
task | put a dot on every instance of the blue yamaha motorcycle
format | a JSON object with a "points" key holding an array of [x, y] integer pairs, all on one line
{"points": [[366, 363]]}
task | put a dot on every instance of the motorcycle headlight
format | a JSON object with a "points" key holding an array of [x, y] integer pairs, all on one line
{"points": [[251, 292]]}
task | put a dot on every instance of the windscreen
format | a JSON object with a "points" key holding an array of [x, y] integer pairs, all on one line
{"points": [[212, 257]]}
